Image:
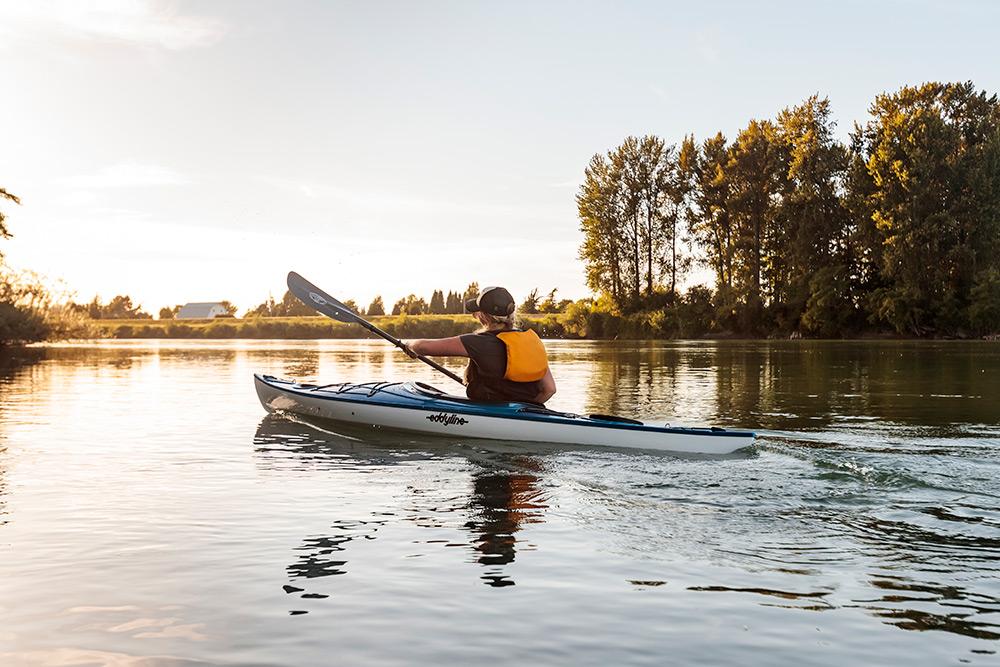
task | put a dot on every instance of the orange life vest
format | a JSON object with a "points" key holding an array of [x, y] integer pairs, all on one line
{"points": [[526, 358]]}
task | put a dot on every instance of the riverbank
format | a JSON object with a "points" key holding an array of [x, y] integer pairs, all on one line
{"points": [[307, 328], [569, 326]]}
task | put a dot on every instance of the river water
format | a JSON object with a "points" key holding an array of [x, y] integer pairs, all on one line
{"points": [[150, 514]]}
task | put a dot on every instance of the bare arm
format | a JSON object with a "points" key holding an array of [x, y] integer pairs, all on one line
{"points": [[548, 387], [439, 347]]}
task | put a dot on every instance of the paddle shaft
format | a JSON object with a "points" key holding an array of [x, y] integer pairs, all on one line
{"points": [[398, 343], [322, 302]]}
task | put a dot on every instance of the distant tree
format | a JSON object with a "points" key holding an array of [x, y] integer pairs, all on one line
{"points": [[375, 308], [352, 306], [119, 308], [266, 309], [530, 304], [471, 292], [229, 307], [411, 305], [453, 304], [437, 303], [4, 232], [166, 313], [549, 305], [290, 306]]}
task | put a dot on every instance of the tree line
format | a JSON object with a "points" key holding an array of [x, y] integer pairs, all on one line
{"points": [[897, 229], [452, 303]]}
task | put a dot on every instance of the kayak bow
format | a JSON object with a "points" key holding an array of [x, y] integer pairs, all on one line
{"points": [[417, 407]]}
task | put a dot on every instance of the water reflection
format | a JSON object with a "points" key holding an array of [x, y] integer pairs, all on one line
{"points": [[501, 503], [504, 496], [306, 365], [793, 385], [318, 558], [962, 621], [15, 364]]}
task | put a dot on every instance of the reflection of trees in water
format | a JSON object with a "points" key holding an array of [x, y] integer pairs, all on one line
{"points": [[627, 378], [305, 366], [14, 364], [504, 497], [967, 604], [813, 383], [798, 384], [906, 563]]}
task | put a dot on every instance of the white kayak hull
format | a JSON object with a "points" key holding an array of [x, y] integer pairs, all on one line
{"points": [[407, 407]]}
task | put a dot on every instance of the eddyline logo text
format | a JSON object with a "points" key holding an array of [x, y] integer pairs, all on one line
{"points": [[446, 419]]}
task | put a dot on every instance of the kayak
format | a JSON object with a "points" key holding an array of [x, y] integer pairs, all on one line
{"points": [[421, 408]]}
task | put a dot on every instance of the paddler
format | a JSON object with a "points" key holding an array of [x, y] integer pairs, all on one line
{"points": [[506, 363]]}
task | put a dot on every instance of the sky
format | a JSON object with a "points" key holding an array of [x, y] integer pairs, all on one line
{"points": [[198, 151]]}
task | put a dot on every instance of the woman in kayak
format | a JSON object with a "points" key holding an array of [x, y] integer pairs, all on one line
{"points": [[505, 363]]}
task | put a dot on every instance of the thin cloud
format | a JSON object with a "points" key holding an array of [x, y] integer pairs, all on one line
{"points": [[155, 23], [659, 93], [383, 202], [128, 175], [707, 45]]}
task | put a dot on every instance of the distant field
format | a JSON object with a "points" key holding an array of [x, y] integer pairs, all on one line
{"points": [[401, 326]]}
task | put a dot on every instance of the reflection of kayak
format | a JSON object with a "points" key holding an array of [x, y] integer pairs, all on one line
{"points": [[414, 406]]}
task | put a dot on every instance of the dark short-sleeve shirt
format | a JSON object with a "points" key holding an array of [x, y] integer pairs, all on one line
{"points": [[487, 367], [488, 353]]}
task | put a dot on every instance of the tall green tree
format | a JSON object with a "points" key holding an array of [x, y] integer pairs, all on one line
{"points": [[931, 153], [676, 261], [756, 171], [625, 213], [600, 204], [650, 167], [812, 229], [709, 219]]}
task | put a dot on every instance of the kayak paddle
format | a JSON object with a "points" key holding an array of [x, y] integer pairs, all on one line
{"points": [[323, 303]]}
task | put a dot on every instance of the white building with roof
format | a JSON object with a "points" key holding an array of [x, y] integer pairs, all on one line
{"points": [[201, 311]]}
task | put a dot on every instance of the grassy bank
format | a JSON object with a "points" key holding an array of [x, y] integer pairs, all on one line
{"points": [[304, 328], [579, 322]]}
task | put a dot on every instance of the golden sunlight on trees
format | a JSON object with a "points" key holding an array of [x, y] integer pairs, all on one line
{"points": [[900, 229]]}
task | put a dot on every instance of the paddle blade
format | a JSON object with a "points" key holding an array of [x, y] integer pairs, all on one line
{"points": [[319, 300]]}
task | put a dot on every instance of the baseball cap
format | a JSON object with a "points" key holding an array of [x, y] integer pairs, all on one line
{"points": [[492, 301]]}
